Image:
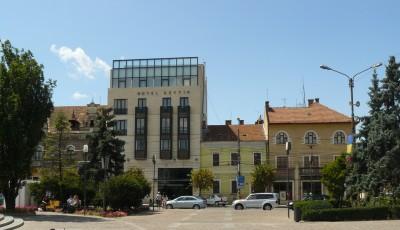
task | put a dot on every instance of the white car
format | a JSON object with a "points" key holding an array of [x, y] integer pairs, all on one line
{"points": [[266, 201], [186, 202]]}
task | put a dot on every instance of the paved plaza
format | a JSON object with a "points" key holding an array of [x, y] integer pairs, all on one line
{"points": [[206, 219]]}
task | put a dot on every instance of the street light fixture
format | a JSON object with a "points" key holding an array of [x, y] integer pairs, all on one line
{"points": [[105, 162], [351, 85], [154, 176]]}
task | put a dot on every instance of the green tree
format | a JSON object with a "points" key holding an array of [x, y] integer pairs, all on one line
{"points": [[127, 190], [25, 99], [103, 144], [202, 179], [262, 177], [334, 176]]}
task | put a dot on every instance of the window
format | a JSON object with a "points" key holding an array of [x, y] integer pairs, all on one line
{"points": [[310, 138], [183, 145], [234, 159], [264, 196], [165, 125], [257, 158], [141, 102], [166, 101], [142, 82], [215, 159], [120, 106], [184, 101], [281, 138], [339, 138], [38, 155], [186, 81], [233, 186], [140, 126], [165, 145], [216, 187], [164, 81], [120, 127], [311, 161], [282, 162], [183, 125], [139, 145]]}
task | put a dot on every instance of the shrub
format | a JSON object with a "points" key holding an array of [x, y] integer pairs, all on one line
{"points": [[340, 214], [127, 190], [395, 212]]}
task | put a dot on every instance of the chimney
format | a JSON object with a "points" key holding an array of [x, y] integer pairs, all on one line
{"points": [[228, 122], [310, 101], [267, 106], [241, 122], [317, 100]]}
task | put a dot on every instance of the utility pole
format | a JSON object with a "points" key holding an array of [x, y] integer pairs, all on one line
{"points": [[238, 161], [288, 148]]}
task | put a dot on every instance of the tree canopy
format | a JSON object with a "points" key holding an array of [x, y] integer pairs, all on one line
{"points": [[262, 177], [202, 179], [25, 99]]}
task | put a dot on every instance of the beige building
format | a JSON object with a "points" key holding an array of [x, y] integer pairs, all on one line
{"points": [[318, 134], [161, 109]]}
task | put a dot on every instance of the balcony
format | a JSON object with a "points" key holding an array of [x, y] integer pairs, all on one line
{"points": [[310, 173], [140, 155], [121, 132], [184, 110], [281, 174], [140, 110], [120, 111], [166, 109]]}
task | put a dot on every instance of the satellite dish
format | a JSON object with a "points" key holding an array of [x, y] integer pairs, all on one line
{"points": [[357, 103]]}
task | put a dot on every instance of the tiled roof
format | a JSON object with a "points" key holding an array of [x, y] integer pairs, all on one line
{"points": [[314, 113], [229, 133]]}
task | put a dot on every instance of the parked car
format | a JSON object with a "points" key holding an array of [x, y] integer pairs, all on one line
{"points": [[186, 202], [310, 197], [217, 200], [266, 201]]}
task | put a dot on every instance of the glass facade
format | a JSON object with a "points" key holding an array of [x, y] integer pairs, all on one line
{"points": [[162, 72]]}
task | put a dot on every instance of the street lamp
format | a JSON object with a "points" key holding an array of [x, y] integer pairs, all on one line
{"points": [[288, 147], [154, 176], [351, 85], [83, 165], [238, 160], [105, 162]]}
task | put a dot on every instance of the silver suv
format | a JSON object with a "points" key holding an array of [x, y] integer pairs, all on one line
{"points": [[266, 201]]}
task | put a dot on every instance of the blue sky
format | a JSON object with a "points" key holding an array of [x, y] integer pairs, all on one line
{"points": [[254, 50]]}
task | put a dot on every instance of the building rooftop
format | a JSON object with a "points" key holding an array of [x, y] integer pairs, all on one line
{"points": [[314, 113], [230, 133]]}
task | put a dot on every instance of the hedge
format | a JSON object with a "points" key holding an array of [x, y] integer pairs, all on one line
{"points": [[341, 214]]}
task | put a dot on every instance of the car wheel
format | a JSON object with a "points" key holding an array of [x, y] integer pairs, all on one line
{"points": [[196, 206], [216, 203], [169, 206], [239, 207], [267, 207]]}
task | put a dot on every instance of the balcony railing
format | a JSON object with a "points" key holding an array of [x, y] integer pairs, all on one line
{"points": [[119, 111], [121, 132], [310, 173], [281, 173]]}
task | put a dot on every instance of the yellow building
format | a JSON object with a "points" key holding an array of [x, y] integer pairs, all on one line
{"points": [[232, 150], [318, 134]]}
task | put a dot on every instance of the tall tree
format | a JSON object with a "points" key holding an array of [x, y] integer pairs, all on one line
{"points": [[25, 99], [62, 126], [262, 177], [103, 144], [202, 179]]}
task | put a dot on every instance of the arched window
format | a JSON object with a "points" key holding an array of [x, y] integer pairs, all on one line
{"points": [[38, 155], [310, 138], [339, 138], [281, 138]]}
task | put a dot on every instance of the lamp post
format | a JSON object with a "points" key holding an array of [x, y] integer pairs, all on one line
{"points": [[288, 147], [85, 151], [351, 86], [238, 161], [154, 176], [105, 162]]}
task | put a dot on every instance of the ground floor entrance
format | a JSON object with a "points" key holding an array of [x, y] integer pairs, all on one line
{"points": [[174, 182], [311, 188], [281, 188]]}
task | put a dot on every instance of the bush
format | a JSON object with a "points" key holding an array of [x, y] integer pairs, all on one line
{"points": [[341, 214], [127, 190], [395, 212]]}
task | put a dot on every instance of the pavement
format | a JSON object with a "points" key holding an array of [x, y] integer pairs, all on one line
{"points": [[205, 219]]}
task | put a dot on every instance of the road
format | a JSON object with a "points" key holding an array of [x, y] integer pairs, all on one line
{"points": [[206, 219]]}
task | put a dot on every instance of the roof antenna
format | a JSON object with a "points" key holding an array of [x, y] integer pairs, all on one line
{"points": [[304, 94]]}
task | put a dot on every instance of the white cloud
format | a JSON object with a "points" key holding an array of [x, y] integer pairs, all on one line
{"points": [[81, 61], [78, 96]]}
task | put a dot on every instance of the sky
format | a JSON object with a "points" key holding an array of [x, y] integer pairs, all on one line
{"points": [[254, 50]]}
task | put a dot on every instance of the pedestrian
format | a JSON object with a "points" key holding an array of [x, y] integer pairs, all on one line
{"points": [[158, 200]]}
